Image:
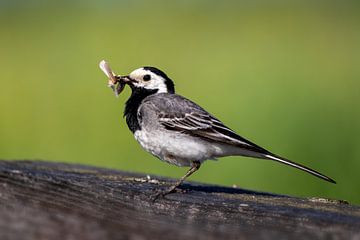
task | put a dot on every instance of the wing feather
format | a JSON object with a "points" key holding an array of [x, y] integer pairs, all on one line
{"points": [[206, 126], [177, 113]]}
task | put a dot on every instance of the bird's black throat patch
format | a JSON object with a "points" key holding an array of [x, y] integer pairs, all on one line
{"points": [[132, 106]]}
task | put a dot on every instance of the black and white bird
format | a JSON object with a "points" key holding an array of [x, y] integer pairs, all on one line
{"points": [[180, 132]]}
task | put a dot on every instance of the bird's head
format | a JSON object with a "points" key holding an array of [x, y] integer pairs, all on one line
{"points": [[149, 78]]}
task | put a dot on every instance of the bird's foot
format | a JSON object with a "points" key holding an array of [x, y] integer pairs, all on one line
{"points": [[163, 193], [156, 195]]}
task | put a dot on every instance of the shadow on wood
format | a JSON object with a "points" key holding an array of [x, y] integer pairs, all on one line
{"points": [[42, 200]]}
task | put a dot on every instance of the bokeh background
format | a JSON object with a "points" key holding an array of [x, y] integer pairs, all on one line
{"points": [[284, 74]]}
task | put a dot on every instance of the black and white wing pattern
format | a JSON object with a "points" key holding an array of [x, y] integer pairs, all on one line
{"points": [[206, 126], [177, 113]]}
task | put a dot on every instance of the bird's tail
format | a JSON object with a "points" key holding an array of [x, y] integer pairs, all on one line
{"points": [[298, 166]]}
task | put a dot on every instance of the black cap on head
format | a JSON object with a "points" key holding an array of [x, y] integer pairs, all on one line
{"points": [[169, 83]]}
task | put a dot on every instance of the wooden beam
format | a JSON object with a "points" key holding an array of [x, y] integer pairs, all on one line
{"points": [[43, 200]]}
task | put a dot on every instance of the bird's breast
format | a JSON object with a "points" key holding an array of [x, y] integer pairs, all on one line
{"points": [[175, 148]]}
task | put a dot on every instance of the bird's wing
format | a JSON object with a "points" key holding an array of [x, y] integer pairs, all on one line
{"points": [[177, 113], [206, 126]]}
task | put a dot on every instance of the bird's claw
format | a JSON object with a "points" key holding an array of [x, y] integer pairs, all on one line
{"points": [[163, 193], [158, 194]]}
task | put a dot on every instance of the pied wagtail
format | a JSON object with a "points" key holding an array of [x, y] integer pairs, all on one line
{"points": [[177, 130]]}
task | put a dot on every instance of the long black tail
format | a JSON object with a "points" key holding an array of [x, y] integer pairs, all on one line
{"points": [[298, 166]]}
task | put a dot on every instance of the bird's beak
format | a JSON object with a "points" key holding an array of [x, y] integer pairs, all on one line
{"points": [[127, 80], [124, 79]]}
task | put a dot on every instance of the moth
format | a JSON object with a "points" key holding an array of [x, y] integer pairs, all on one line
{"points": [[114, 80]]}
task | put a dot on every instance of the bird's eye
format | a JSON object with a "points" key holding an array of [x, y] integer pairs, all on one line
{"points": [[147, 77]]}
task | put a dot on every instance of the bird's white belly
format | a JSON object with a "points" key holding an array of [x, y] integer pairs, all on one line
{"points": [[178, 149]]}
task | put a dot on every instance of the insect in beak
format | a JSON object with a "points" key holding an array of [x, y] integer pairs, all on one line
{"points": [[116, 82]]}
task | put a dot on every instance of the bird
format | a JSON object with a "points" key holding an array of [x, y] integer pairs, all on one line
{"points": [[180, 132]]}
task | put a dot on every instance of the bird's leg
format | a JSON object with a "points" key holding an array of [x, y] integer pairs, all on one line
{"points": [[194, 167]]}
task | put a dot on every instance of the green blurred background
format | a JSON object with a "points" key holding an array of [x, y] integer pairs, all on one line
{"points": [[284, 74]]}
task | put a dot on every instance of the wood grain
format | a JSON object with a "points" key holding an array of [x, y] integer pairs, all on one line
{"points": [[43, 200]]}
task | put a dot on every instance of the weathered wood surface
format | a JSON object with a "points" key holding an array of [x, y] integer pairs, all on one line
{"points": [[42, 200]]}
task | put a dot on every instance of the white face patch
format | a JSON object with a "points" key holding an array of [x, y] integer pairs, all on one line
{"points": [[154, 82]]}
